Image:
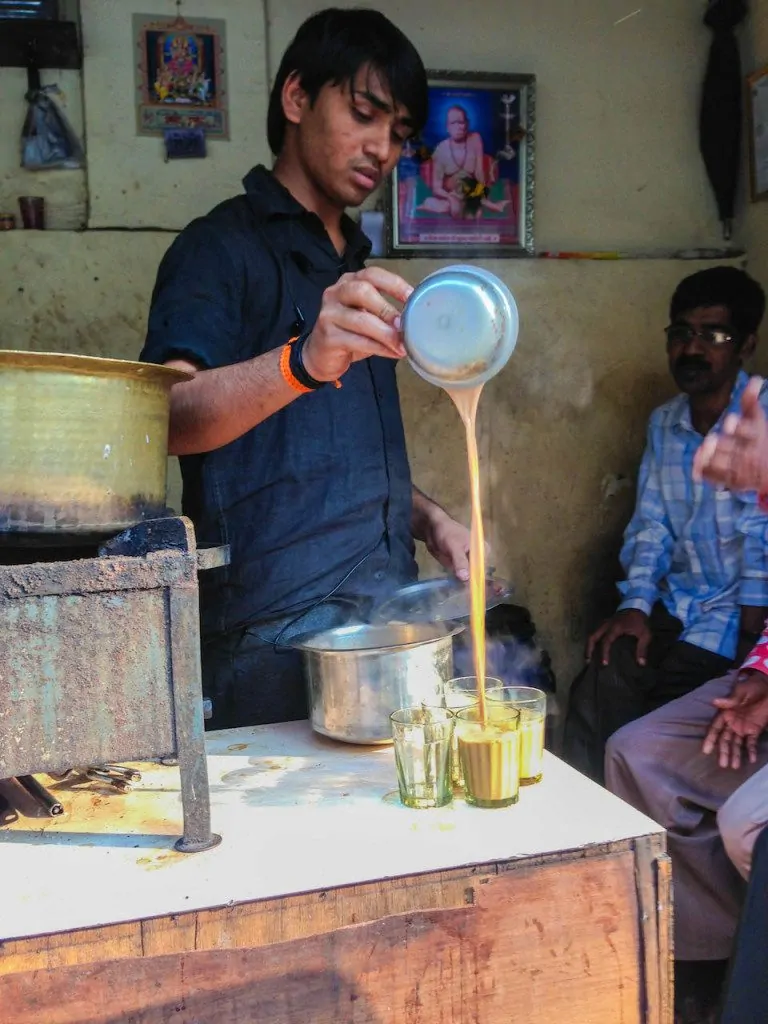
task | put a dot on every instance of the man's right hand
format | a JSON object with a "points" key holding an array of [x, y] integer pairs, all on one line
{"points": [[737, 458], [630, 622], [356, 321], [741, 720]]}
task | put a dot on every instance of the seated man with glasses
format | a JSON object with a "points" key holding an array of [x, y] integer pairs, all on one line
{"points": [[695, 597]]}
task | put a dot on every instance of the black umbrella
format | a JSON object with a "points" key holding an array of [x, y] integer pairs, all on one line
{"points": [[720, 117]]}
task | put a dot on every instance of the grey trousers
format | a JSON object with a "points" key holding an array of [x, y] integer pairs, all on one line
{"points": [[713, 815]]}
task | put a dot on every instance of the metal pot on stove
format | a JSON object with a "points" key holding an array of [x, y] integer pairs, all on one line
{"points": [[85, 445]]}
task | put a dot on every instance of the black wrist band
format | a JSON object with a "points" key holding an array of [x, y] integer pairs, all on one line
{"points": [[296, 364]]}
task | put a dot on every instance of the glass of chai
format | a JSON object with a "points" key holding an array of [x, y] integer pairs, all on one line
{"points": [[490, 754], [532, 705], [423, 755], [462, 693]]}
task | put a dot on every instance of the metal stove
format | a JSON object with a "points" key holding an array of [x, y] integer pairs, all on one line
{"points": [[100, 660]]}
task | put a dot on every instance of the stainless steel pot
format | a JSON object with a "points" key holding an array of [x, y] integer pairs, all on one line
{"points": [[84, 445], [358, 675]]}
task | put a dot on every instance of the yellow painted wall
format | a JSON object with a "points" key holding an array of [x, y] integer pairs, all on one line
{"points": [[562, 427], [616, 103], [129, 183]]}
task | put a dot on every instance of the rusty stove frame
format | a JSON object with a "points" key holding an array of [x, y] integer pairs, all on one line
{"points": [[100, 662]]}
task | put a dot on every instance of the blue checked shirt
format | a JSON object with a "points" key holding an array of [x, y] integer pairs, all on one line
{"points": [[701, 550]]}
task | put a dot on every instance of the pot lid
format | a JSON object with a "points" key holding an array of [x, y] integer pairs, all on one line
{"points": [[373, 638], [443, 599]]}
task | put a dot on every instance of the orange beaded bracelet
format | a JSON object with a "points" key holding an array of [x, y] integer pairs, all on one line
{"points": [[288, 370], [285, 370]]}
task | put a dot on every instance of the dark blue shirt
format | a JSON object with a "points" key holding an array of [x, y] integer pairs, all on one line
{"points": [[321, 490]]}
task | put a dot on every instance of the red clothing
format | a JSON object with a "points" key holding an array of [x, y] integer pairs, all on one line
{"points": [[757, 660]]}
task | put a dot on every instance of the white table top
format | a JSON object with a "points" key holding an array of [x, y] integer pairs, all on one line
{"points": [[297, 813]]}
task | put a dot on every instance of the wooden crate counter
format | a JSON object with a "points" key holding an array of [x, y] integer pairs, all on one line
{"points": [[329, 902]]}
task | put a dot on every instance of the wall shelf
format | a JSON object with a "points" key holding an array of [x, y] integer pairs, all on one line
{"points": [[34, 44]]}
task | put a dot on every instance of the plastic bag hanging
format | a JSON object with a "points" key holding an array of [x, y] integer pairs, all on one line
{"points": [[48, 141]]}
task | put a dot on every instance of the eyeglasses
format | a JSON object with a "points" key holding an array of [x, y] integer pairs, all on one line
{"points": [[681, 334]]}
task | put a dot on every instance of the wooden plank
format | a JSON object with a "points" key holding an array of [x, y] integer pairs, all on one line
{"points": [[664, 914], [653, 877], [247, 924], [558, 942], [261, 922], [65, 949], [645, 877]]}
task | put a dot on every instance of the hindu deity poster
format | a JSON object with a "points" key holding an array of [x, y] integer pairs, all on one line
{"points": [[180, 75], [465, 185]]}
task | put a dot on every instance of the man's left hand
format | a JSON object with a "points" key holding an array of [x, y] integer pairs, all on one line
{"points": [[740, 721], [448, 542], [445, 539]]}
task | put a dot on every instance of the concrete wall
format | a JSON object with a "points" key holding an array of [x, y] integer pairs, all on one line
{"points": [[129, 183], [617, 165], [616, 104], [562, 428]]}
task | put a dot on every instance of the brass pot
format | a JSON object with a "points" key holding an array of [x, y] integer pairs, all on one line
{"points": [[83, 445]]}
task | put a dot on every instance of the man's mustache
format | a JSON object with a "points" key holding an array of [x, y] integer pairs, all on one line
{"points": [[691, 363]]}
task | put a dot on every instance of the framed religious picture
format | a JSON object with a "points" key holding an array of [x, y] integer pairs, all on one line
{"points": [[757, 106], [465, 186], [180, 76]]}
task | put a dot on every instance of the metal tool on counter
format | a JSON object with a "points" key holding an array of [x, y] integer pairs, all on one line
{"points": [[115, 775], [460, 326], [95, 775], [42, 797], [118, 776], [122, 772]]}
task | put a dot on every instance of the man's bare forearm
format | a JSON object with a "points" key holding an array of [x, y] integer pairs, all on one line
{"points": [[424, 511], [218, 406]]}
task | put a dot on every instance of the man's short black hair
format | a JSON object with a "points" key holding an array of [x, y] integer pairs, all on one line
{"points": [[332, 46], [722, 286]]}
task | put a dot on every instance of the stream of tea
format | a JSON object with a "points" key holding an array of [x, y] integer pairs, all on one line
{"points": [[466, 401]]}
